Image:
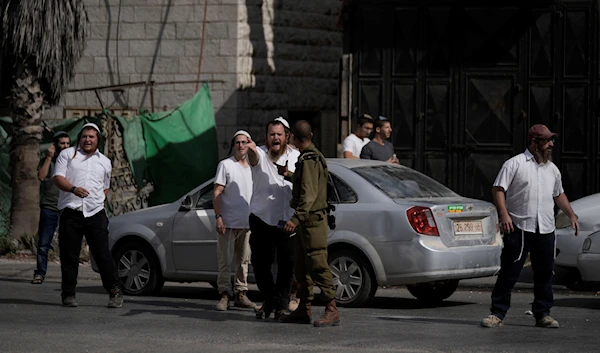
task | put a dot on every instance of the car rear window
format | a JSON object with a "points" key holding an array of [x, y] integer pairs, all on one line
{"points": [[399, 182]]}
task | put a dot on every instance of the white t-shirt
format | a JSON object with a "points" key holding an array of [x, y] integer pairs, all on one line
{"points": [[354, 144], [91, 172], [530, 190], [235, 198], [271, 193]]}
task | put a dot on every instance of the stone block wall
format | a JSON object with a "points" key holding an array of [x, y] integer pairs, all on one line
{"points": [[262, 58], [288, 63]]}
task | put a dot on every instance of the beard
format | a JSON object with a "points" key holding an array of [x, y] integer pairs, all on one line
{"points": [[274, 155], [543, 156]]}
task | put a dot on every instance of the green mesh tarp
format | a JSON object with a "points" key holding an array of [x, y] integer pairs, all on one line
{"points": [[181, 147], [135, 148]]}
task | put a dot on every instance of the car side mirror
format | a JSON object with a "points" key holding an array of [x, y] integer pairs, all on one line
{"points": [[186, 204]]}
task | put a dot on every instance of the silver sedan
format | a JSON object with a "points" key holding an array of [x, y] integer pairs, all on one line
{"points": [[394, 226]]}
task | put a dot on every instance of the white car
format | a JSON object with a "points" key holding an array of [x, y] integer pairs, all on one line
{"points": [[568, 245], [588, 261]]}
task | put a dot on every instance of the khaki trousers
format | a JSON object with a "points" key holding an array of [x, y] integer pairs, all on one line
{"points": [[310, 259], [233, 246]]}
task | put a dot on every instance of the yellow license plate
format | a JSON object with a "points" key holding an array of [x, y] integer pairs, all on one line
{"points": [[466, 228]]}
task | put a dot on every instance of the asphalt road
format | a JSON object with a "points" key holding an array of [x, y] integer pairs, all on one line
{"points": [[182, 319]]}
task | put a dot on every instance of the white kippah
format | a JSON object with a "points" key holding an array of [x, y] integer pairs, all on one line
{"points": [[242, 132], [283, 121], [92, 125]]}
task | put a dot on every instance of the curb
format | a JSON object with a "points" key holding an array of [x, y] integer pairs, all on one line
{"points": [[23, 269]]}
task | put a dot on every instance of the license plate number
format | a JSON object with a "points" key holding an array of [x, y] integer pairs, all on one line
{"points": [[466, 228]]}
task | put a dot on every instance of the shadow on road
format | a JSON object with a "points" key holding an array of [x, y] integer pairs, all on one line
{"points": [[437, 321], [202, 314], [409, 303], [584, 303], [17, 280], [28, 302], [193, 310], [429, 320]]}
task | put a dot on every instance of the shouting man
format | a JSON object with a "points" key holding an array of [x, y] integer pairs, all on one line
{"points": [[269, 212]]}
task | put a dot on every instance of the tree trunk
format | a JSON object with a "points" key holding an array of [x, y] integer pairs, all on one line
{"points": [[27, 101]]}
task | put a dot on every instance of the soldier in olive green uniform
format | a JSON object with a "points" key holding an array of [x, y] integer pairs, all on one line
{"points": [[309, 200]]}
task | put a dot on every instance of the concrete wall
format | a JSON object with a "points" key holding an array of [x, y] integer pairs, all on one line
{"points": [[265, 58]]}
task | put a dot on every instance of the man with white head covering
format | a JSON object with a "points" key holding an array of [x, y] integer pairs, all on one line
{"points": [[269, 211], [231, 200], [83, 176]]}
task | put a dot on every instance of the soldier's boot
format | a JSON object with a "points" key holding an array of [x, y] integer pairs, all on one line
{"points": [[242, 301], [302, 314], [331, 316]]}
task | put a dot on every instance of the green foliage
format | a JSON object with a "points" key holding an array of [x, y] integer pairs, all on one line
{"points": [[47, 35], [7, 245]]}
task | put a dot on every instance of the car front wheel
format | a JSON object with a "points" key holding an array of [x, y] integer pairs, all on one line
{"points": [[433, 292], [138, 269], [352, 277]]}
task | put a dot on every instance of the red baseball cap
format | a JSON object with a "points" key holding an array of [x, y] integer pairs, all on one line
{"points": [[540, 131]]}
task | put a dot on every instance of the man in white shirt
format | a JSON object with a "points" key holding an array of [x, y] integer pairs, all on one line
{"points": [[231, 200], [269, 212], [83, 176], [525, 191], [354, 143]]}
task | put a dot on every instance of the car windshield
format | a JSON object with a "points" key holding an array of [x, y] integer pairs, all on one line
{"points": [[401, 182]]}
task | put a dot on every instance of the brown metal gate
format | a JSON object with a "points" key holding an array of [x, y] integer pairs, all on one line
{"points": [[462, 83]]}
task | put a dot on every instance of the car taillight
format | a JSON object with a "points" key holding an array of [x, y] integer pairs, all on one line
{"points": [[421, 219]]}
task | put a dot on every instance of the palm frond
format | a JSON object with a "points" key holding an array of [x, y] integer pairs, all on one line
{"points": [[48, 35]]}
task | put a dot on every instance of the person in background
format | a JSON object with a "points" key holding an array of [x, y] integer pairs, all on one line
{"points": [[380, 148], [232, 195], [48, 203], [354, 143]]}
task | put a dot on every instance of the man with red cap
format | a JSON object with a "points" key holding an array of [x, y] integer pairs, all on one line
{"points": [[524, 192]]}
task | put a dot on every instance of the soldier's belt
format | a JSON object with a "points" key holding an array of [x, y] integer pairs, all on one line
{"points": [[316, 216]]}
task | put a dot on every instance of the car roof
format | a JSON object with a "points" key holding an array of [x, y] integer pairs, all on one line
{"points": [[355, 163]]}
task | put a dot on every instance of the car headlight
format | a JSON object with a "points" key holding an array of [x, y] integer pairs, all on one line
{"points": [[562, 221], [587, 244]]}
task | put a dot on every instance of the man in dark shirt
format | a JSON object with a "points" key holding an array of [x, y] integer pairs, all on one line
{"points": [[379, 148], [48, 203]]}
